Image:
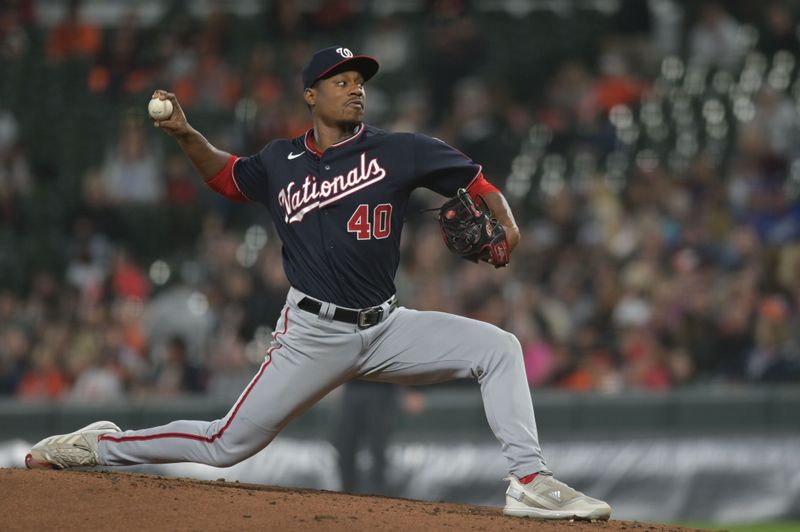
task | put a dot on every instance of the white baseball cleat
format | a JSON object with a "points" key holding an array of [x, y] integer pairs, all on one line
{"points": [[548, 498], [76, 449]]}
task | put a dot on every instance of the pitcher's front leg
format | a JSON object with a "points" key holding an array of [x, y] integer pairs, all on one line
{"points": [[420, 347]]}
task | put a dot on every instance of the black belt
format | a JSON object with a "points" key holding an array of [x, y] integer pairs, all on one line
{"points": [[364, 318]]}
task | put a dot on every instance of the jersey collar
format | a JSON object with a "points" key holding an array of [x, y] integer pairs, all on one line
{"points": [[308, 140]]}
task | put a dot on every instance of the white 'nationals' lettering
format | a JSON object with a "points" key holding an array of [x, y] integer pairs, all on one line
{"points": [[298, 200]]}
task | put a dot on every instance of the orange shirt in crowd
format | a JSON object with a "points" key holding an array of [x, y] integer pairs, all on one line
{"points": [[42, 385], [71, 39]]}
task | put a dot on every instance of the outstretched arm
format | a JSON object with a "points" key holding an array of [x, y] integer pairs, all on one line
{"points": [[206, 159]]}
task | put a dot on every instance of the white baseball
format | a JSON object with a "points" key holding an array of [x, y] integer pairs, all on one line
{"points": [[159, 109]]}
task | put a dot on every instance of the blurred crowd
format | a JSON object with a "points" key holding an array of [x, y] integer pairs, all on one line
{"points": [[649, 151]]}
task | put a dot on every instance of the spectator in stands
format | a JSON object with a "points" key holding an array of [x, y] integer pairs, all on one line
{"points": [[127, 279], [175, 50], [334, 16], [87, 250], [42, 302], [120, 67], [453, 49], [73, 37], [478, 127], [772, 213], [131, 173], [615, 85], [87, 275], [97, 383], [45, 379], [94, 217], [390, 39], [14, 37], [14, 347], [778, 30], [9, 132], [125, 336], [261, 81], [715, 40], [368, 412], [773, 133], [568, 102], [644, 361], [733, 334], [776, 354], [16, 177], [537, 348], [209, 85], [265, 301], [284, 21], [176, 374]]}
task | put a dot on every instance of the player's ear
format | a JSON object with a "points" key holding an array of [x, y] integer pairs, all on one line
{"points": [[310, 96]]}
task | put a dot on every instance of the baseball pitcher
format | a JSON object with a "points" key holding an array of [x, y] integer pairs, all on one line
{"points": [[338, 195]]}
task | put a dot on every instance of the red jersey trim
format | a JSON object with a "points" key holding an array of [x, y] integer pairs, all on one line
{"points": [[225, 184], [480, 186], [236, 183], [308, 140], [478, 174], [218, 435]]}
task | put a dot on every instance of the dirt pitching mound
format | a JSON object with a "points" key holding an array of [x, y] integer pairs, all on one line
{"points": [[82, 500]]}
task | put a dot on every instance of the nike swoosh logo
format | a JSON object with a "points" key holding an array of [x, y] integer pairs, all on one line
{"points": [[294, 155]]}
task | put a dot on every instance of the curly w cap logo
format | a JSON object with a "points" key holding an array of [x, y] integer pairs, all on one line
{"points": [[344, 52]]}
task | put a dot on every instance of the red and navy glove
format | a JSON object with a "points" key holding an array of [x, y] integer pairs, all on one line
{"points": [[469, 230]]}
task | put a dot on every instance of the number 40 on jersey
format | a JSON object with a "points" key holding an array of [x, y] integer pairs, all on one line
{"points": [[375, 224]]}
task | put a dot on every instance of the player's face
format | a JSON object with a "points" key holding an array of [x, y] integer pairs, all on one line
{"points": [[339, 99]]}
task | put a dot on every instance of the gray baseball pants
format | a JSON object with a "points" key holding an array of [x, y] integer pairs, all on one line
{"points": [[310, 355]]}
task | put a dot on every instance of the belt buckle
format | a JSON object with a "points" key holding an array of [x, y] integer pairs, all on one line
{"points": [[365, 317]]}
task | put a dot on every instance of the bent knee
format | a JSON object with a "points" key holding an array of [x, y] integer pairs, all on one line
{"points": [[505, 347], [230, 449], [512, 343], [507, 351], [227, 453], [507, 344]]}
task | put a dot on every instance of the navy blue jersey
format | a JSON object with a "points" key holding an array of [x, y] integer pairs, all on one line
{"points": [[340, 213]]}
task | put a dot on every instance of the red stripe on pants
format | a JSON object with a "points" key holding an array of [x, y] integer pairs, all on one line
{"points": [[239, 404]]}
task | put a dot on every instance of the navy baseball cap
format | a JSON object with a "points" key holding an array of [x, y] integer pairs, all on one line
{"points": [[329, 61]]}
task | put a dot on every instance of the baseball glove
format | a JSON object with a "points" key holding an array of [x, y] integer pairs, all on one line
{"points": [[469, 230]]}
